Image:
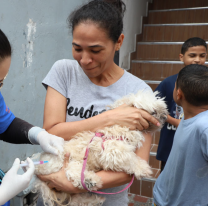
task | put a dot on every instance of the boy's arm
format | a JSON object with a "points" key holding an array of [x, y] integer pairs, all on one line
{"points": [[173, 121], [162, 89]]}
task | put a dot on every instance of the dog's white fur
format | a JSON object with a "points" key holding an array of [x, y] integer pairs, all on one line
{"points": [[118, 155]]}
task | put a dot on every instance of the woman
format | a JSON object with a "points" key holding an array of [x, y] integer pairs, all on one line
{"points": [[78, 90], [15, 130]]}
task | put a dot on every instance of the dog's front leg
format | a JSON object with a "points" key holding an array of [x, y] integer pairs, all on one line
{"points": [[139, 167], [121, 157], [73, 173]]}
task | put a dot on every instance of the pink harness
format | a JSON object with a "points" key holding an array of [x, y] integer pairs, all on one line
{"points": [[84, 166]]}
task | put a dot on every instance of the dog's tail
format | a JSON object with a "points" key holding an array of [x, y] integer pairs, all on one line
{"points": [[50, 196], [85, 199]]}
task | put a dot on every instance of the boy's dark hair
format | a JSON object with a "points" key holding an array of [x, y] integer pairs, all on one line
{"points": [[107, 14], [193, 82], [5, 47], [195, 41]]}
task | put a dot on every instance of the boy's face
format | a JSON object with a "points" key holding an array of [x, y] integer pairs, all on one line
{"points": [[194, 55]]}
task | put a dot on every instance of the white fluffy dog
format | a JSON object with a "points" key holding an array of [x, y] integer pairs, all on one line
{"points": [[114, 151]]}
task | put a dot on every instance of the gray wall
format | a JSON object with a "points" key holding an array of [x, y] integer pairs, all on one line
{"points": [[39, 36]]}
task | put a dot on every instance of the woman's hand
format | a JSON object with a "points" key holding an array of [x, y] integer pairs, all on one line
{"points": [[131, 117], [59, 181], [55, 118]]}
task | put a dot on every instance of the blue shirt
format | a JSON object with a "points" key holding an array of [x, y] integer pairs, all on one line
{"points": [[166, 88], [184, 180], [6, 116]]}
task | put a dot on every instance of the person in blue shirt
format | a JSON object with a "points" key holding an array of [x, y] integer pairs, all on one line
{"points": [[17, 131], [184, 179], [193, 51]]}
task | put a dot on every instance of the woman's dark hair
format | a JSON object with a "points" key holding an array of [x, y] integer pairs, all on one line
{"points": [[193, 82], [108, 14], [5, 47]]}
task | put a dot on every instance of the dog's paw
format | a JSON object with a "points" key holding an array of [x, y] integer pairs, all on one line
{"points": [[143, 171], [90, 184]]}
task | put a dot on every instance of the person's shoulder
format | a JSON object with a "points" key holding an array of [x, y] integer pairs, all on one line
{"points": [[65, 66], [1, 99], [170, 79], [66, 63], [167, 84], [199, 121], [136, 81], [201, 117]]}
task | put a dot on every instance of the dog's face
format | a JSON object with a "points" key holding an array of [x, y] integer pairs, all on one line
{"points": [[160, 114], [154, 105], [148, 101]]}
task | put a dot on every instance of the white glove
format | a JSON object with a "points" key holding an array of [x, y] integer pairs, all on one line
{"points": [[49, 143], [12, 183]]}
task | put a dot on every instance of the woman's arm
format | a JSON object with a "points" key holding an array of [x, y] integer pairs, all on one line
{"points": [[144, 151], [110, 179], [55, 117], [114, 179]]}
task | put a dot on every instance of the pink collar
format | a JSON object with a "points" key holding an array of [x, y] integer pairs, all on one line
{"points": [[84, 166]]}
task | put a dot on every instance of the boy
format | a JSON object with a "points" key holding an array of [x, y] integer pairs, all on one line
{"points": [[184, 180], [193, 51]]}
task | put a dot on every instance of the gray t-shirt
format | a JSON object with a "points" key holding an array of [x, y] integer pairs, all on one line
{"points": [[85, 99], [184, 180]]}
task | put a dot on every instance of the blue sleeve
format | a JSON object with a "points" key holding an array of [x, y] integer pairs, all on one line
{"points": [[204, 144], [6, 116]]}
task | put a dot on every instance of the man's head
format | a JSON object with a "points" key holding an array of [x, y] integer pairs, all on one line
{"points": [[5, 57], [192, 85], [193, 51]]}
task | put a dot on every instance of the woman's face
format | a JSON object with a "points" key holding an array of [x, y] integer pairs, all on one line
{"points": [[93, 49], [4, 68]]}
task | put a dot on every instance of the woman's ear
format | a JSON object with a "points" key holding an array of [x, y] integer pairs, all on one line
{"points": [[119, 42]]}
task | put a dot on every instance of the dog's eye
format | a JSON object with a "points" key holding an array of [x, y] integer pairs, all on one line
{"points": [[164, 117], [154, 113]]}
